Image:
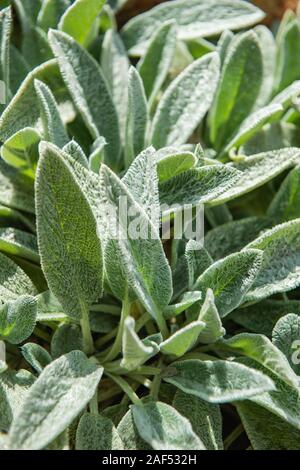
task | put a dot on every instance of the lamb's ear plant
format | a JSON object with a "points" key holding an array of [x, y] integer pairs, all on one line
{"points": [[116, 332]]}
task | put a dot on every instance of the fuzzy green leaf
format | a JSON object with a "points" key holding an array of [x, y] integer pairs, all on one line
{"points": [[280, 262], [172, 162], [36, 356], [239, 87], [210, 316], [186, 301], [66, 338], [17, 319], [265, 430], [261, 349], [182, 340], [89, 90], [135, 351], [143, 259], [286, 337], [79, 18], [205, 418], [97, 433], [21, 150], [286, 203], [14, 387], [19, 243], [164, 428], [195, 19], [230, 279], [157, 60], [115, 65], [218, 381], [70, 249], [198, 186], [60, 393], [54, 129], [13, 281], [258, 170], [137, 117], [180, 111]]}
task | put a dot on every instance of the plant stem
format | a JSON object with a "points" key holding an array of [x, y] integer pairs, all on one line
{"points": [[88, 344], [156, 384], [106, 308], [106, 338], [116, 347], [94, 404], [126, 388], [162, 324], [235, 434]]}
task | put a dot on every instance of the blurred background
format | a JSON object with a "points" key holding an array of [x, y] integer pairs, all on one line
{"points": [[274, 8]]}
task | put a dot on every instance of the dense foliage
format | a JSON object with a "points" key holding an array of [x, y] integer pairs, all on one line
{"points": [[118, 342]]}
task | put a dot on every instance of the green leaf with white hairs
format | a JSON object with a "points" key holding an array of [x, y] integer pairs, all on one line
{"points": [[286, 337], [61, 392], [5, 34], [288, 50], [262, 350], [75, 151], [16, 116], [230, 279], [141, 180], [182, 340], [67, 338], [17, 319], [286, 203], [50, 13], [217, 381], [198, 185], [135, 352], [129, 434], [89, 90], [115, 65], [14, 386], [78, 20], [253, 123], [21, 150], [286, 96], [283, 401], [209, 314], [36, 356], [97, 433], [172, 161], [238, 89], [223, 44], [268, 50], [137, 117], [228, 238], [139, 249], [195, 19], [186, 301], [198, 260], [205, 418], [258, 170], [69, 246], [262, 317], [156, 62], [179, 111], [54, 129], [13, 281], [280, 263], [267, 431], [162, 427]]}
